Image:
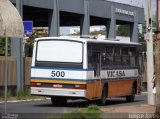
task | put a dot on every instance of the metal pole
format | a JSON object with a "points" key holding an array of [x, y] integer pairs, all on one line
{"points": [[150, 64], [17, 51], [6, 71], [157, 59], [157, 15], [157, 68]]}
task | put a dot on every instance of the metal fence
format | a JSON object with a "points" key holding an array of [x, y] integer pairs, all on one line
{"points": [[27, 71], [12, 71]]}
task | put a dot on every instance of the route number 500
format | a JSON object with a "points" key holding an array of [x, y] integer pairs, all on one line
{"points": [[57, 73]]}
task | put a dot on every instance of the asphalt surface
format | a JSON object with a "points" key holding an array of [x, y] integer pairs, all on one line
{"points": [[46, 107]]}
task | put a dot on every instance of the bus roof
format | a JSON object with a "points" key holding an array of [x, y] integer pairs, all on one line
{"points": [[89, 40]]}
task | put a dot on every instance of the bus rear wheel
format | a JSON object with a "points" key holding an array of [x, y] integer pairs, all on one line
{"points": [[59, 101], [131, 97], [102, 101]]}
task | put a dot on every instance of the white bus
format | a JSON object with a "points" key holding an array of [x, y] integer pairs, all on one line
{"points": [[73, 68]]}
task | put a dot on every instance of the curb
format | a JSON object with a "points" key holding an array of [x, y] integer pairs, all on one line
{"points": [[28, 100]]}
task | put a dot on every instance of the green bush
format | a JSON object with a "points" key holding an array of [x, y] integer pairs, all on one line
{"points": [[20, 94], [27, 92], [23, 94], [9, 94], [2, 46], [2, 93]]}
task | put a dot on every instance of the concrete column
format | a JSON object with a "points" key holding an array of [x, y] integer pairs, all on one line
{"points": [[19, 6], [150, 55], [17, 51], [112, 24], [134, 29], [54, 24], [107, 28], [85, 20]]}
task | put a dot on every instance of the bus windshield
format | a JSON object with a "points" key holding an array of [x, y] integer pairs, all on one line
{"points": [[59, 51]]}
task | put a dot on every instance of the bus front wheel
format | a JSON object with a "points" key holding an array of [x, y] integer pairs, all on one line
{"points": [[59, 101]]}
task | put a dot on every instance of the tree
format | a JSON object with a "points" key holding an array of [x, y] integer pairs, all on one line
{"points": [[123, 30], [102, 32], [142, 41], [30, 41], [157, 67], [2, 46]]}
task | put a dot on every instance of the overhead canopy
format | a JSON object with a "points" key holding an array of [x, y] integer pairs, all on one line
{"points": [[10, 20]]}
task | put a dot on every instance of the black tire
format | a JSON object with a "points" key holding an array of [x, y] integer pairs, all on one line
{"points": [[91, 102], [102, 101], [131, 97], [59, 101]]}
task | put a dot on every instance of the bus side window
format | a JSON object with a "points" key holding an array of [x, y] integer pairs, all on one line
{"points": [[117, 56], [107, 57], [110, 55], [125, 56], [132, 54], [103, 60]]}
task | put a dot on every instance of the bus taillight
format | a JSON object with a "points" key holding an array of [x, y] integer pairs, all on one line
{"points": [[33, 84], [77, 86]]}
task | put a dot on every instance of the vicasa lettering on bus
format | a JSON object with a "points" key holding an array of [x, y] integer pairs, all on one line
{"points": [[118, 73]]}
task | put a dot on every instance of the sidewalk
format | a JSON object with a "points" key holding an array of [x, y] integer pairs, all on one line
{"points": [[143, 108], [142, 111]]}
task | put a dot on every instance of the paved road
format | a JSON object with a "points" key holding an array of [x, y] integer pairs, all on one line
{"points": [[45, 106]]}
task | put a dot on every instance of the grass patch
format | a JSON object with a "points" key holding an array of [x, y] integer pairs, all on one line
{"points": [[20, 95], [91, 112], [25, 94], [2, 94]]}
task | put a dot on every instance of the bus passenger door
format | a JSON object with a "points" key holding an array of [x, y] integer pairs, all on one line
{"points": [[97, 74], [97, 65]]}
